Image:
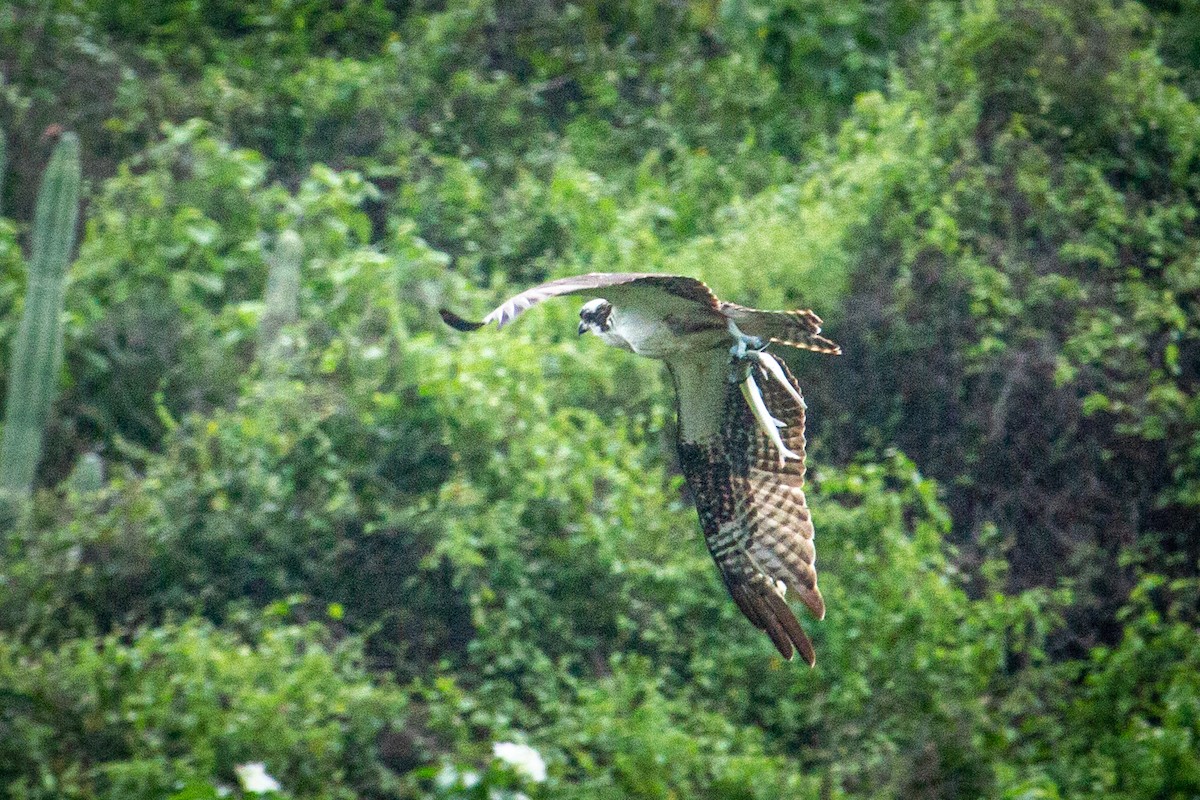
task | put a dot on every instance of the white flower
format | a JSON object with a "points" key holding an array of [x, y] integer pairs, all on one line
{"points": [[254, 778], [522, 758], [446, 778]]}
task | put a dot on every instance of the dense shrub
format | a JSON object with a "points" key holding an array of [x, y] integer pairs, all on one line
{"points": [[172, 711], [1037, 250]]}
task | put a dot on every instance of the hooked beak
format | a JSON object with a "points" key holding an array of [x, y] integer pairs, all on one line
{"points": [[583, 326]]}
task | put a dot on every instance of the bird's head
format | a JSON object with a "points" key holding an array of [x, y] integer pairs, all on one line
{"points": [[595, 316]]}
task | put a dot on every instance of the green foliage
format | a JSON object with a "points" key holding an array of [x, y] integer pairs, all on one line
{"points": [[171, 248], [299, 494], [1035, 249], [1129, 726], [824, 55], [173, 269], [191, 36], [171, 711], [37, 349]]}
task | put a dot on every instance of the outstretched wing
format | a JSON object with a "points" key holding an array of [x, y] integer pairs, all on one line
{"points": [[753, 511], [677, 287]]}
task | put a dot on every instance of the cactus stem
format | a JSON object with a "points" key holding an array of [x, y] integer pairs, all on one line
{"points": [[37, 349]]}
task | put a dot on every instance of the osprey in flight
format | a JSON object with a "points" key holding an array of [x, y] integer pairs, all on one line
{"points": [[740, 439]]}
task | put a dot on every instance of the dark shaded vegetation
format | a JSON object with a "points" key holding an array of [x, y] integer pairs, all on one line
{"points": [[364, 556]]}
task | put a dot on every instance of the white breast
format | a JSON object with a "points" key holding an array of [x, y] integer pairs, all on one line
{"points": [[643, 334], [700, 384], [652, 335]]}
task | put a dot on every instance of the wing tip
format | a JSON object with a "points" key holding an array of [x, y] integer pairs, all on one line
{"points": [[815, 602], [783, 616], [769, 612], [457, 322], [807, 654]]}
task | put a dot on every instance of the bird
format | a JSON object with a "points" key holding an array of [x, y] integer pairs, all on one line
{"points": [[740, 431]]}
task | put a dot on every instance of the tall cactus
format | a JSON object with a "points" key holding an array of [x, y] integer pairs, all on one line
{"points": [[281, 306], [37, 350], [3, 164]]}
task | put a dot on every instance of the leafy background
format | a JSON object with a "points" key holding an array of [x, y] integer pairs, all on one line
{"points": [[366, 556]]}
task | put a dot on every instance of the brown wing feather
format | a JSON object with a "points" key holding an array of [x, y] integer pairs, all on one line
{"points": [[677, 285], [773, 506], [753, 512], [457, 322], [799, 328]]}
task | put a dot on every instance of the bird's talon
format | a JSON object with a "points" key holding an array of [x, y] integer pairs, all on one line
{"points": [[747, 352]]}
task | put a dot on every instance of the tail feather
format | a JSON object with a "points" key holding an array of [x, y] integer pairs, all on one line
{"points": [[799, 328], [817, 344]]}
